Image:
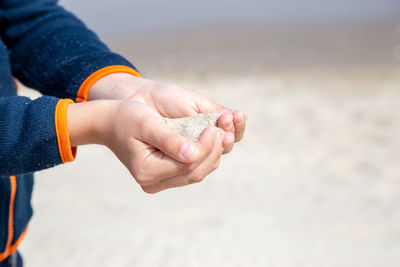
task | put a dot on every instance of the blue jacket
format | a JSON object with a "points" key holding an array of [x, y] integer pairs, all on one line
{"points": [[49, 49]]}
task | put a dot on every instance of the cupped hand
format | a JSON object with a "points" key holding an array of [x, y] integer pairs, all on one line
{"points": [[170, 101], [155, 156]]}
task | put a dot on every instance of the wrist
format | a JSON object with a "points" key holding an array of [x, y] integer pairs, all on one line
{"points": [[89, 122], [83, 92]]}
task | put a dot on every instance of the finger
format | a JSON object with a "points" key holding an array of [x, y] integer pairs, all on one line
{"points": [[239, 120], [225, 122], [209, 165], [228, 142], [227, 149], [156, 166], [154, 132]]}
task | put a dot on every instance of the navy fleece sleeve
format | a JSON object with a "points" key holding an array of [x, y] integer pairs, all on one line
{"points": [[28, 138], [50, 49]]}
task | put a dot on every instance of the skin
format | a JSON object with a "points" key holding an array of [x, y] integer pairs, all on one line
{"points": [[125, 114]]}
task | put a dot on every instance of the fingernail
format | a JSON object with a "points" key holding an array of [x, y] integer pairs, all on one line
{"points": [[188, 150], [229, 125]]}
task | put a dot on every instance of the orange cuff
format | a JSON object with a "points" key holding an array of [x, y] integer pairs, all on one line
{"points": [[67, 152], [83, 91]]}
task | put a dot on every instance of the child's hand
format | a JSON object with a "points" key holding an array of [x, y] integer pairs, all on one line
{"points": [[154, 155], [170, 101]]}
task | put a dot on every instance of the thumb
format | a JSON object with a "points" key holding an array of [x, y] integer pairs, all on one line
{"points": [[155, 133]]}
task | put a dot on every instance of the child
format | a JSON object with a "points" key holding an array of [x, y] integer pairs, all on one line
{"points": [[91, 96]]}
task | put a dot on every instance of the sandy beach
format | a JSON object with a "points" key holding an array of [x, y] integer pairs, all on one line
{"points": [[315, 182]]}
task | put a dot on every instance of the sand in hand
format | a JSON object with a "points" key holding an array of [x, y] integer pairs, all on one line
{"points": [[192, 127]]}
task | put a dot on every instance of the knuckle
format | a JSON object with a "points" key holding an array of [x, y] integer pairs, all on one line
{"points": [[149, 190], [216, 165], [143, 179], [142, 173], [196, 178]]}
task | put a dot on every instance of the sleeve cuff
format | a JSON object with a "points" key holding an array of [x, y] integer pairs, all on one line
{"points": [[67, 152], [83, 91]]}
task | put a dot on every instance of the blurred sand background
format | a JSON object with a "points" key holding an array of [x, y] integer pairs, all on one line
{"points": [[315, 182]]}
